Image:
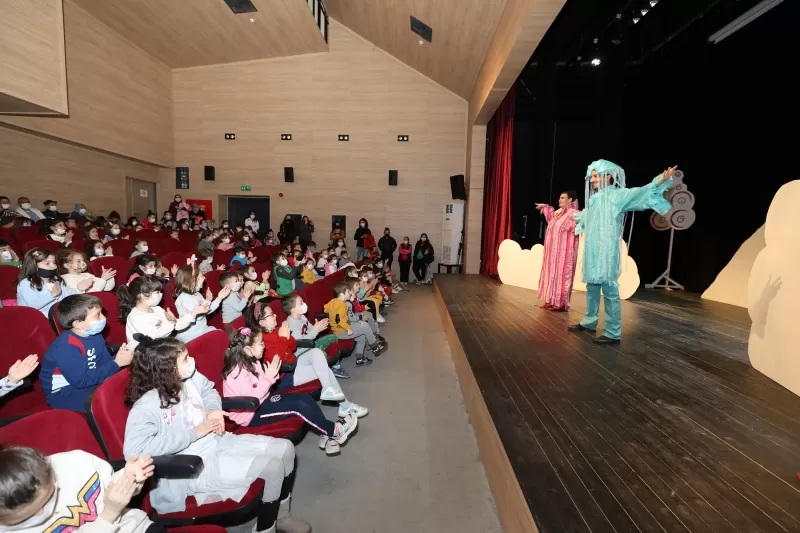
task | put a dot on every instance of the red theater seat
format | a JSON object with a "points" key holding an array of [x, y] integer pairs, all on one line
{"points": [[208, 351], [173, 258], [8, 281], [23, 331], [47, 245], [113, 262], [171, 245], [223, 257], [121, 247]]}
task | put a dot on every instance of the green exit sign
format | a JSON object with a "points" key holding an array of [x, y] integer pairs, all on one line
{"points": [[245, 188]]}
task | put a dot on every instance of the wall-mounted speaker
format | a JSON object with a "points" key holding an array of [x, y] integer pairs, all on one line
{"points": [[210, 173], [457, 187], [288, 174], [393, 178]]}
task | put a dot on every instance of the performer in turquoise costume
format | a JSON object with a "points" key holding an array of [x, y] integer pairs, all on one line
{"points": [[601, 223]]}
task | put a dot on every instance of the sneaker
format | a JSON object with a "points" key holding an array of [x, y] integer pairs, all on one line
{"points": [[354, 408], [330, 446], [379, 349], [380, 339], [345, 426], [388, 302], [331, 395], [363, 361], [340, 372], [380, 319]]}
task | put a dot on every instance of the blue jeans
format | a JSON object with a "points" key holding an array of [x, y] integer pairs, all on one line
{"points": [[612, 326], [360, 253]]}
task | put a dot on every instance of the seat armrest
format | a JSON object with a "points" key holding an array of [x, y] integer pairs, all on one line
{"points": [[177, 466], [306, 343], [320, 316], [246, 403], [288, 367]]}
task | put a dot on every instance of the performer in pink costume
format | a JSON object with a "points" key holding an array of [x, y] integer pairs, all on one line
{"points": [[560, 252]]}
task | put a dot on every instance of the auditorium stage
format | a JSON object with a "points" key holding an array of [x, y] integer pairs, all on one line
{"points": [[671, 430]]}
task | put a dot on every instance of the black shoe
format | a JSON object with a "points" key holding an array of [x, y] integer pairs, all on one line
{"points": [[578, 327], [363, 361], [379, 348], [602, 339], [340, 372], [381, 339]]}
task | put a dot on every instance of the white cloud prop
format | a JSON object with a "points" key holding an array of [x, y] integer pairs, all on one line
{"points": [[730, 285], [522, 268], [773, 292]]}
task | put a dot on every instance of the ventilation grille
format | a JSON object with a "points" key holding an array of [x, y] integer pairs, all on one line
{"points": [[241, 6]]}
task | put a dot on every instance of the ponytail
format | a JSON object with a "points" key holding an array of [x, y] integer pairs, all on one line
{"points": [[129, 294], [236, 357]]}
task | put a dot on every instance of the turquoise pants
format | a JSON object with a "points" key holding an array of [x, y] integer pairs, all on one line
{"points": [[612, 326]]}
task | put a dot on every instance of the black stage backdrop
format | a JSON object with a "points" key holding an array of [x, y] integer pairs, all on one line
{"points": [[727, 114]]}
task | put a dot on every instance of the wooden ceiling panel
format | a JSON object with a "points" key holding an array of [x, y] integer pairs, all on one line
{"points": [[189, 33], [462, 32]]}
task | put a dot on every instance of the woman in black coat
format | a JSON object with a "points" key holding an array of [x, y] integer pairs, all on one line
{"points": [[287, 231], [305, 231], [387, 245], [363, 229], [423, 256]]}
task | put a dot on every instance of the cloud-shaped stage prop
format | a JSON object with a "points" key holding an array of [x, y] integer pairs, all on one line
{"points": [[773, 292], [522, 268]]}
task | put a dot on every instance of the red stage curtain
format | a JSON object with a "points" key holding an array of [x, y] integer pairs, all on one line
{"points": [[497, 188]]}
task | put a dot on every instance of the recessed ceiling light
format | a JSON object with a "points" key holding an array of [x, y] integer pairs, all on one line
{"points": [[653, 3], [645, 11], [596, 61], [636, 19], [252, 19]]}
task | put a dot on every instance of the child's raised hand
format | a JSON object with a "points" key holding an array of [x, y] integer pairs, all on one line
{"points": [[106, 239], [69, 234], [108, 274], [265, 275], [201, 309], [85, 284], [224, 292], [23, 368], [139, 468], [220, 267], [117, 497], [56, 290], [126, 237], [124, 356], [321, 325], [285, 331], [109, 252], [249, 289], [174, 270], [209, 295], [273, 367], [170, 316]]}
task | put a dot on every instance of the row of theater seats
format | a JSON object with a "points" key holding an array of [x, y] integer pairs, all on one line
{"points": [[101, 430]]}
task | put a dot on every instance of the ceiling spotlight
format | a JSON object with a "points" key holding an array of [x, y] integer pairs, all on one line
{"points": [[636, 19], [596, 61], [618, 16], [645, 11], [421, 42], [595, 40], [252, 19], [653, 3], [616, 42], [578, 58]]}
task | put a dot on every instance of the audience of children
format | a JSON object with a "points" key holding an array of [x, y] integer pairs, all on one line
{"points": [[238, 296], [188, 284], [79, 360], [139, 310], [39, 285], [7, 254], [247, 374]]}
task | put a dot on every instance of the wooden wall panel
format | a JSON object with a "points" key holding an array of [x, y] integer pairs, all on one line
{"points": [[32, 65], [119, 97], [44, 169], [473, 225], [355, 89]]}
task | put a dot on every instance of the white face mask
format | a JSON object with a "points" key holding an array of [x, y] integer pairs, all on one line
{"points": [[82, 211], [303, 308], [226, 240], [60, 231], [245, 239], [26, 205], [250, 275], [134, 222], [177, 199], [310, 266], [6, 255], [379, 265], [39, 518], [150, 271], [370, 276], [236, 287], [189, 370], [99, 251], [143, 248], [154, 299], [363, 225], [5, 206], [152, 219], [52, 207], [252, 217], [242, 255], [283, 262], [423, 239], [115, 231], [341, 243]]}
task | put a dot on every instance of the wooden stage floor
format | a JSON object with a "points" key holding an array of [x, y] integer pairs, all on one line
{"points": [[671, 430]]}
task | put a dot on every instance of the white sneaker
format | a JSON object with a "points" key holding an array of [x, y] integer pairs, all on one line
{"points": [[347, 426], [356, 409], [330, 446], [380, 319], [331, 395]]}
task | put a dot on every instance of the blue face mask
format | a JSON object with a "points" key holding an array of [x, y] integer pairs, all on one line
{"points": [[96, 327]]}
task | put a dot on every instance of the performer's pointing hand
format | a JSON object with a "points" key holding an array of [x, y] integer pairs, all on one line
{"points": [[540, 206], [667, 174]]}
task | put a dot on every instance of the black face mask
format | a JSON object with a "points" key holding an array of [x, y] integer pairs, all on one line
{"points": [[46, 273]]}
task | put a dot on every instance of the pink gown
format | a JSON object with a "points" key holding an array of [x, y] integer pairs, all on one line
{"points": [[560, 256]]}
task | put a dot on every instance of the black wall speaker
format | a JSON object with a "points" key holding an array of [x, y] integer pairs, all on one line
{"points": [[210, 173], [457, 187], [393, 178], [288, 174]]}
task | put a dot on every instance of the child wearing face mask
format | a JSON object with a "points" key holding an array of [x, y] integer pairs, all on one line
{"points": [[113, 232], [344, 260], [146, 265], [28, 477], [340, 248], [206, 243], [260, 287], [139, 248], [331, 265], [245, 373], [284, 275], [149, 221], [38, 284], [237, 298], [72, 267], [96, 250], [59, 233], [241, 257], [141, 314], [322, 261], [404, 254], [309, 273], [176, 410], [343, 328], [358, 311], [225, 242], [78, 359], [206, 264], [7, 254], [188, 284]]}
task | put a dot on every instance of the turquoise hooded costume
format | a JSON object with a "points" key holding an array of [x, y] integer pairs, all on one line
{"points": [[601, 224]]}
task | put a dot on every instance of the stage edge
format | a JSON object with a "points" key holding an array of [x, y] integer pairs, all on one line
{"points": [[515, 515]]}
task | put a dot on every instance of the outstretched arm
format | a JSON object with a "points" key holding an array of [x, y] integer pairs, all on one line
{"points": [[651, 196], [547, 211]]}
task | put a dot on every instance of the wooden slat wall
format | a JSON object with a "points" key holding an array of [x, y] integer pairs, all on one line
{"points": [[44, 169], [355, 89], [32, 66], [119, 97], [476, 161]]}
